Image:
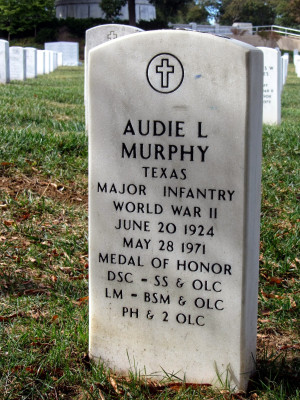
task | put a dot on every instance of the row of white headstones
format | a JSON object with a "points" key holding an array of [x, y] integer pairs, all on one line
{"points": [[21, 63], [18, 63]]}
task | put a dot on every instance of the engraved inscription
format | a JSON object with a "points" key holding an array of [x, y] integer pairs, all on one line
{"points": [[165, 69], [165, 73], [112, 35], [183, 271]]}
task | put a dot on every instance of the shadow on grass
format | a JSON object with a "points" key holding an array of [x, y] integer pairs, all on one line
{"points": [[277, 374]]}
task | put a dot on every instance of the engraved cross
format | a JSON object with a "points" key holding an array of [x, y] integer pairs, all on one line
{"points": [[165, 69], [112, 35]]}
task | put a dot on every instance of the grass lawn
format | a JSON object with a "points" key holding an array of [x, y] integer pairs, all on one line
{"points": [[44, 262]]}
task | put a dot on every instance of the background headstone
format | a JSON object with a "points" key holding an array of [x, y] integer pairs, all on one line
{"points": [[70, 51], [59, 59], [285, 67], [40, 62], [4, 61], [297, 64], [94, 37], [174, 189], [47, 61], [104, 33], [55, 61], [244, 28], [51, 60], [295, 53], [17, 63], [31, 62], [272, 86]]}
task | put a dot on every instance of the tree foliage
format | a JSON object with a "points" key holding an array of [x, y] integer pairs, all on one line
{"points": [[259, 12], [294, 12], [168, 9], [22, 15], [197, 13], [112, 8], [288, 12]]}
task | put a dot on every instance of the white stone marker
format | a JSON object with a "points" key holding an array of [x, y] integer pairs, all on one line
{"points": [[297, 64], [17, 63], [47, 61], [98, 35], [174, 189], [31, 62], [272, 86], [70, 51], [4, 61], [55, 60], [285, 66], [51, 61], [244, 28], [59, 58], [295, 53], [40, 62]]}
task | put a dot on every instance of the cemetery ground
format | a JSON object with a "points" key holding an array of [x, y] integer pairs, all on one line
{"points": [[44, 254]]}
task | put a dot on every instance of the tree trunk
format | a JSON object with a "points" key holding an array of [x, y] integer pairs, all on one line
{"points": [[131, 11]]}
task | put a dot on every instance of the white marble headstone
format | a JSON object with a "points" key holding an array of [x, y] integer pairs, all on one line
{"points": [[297, 64], [51, 61], [285, 66], [245, 28], [70, 51], [59, 59], [174, 188], [47, 61], [272, 86], [31, 62], [4, 61], [104, 33], [40, 62], [17, 63], [98, 35], [55, 62]]}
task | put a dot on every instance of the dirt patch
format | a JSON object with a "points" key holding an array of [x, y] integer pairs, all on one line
{"points": [[71, 193], [277, 343]]}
